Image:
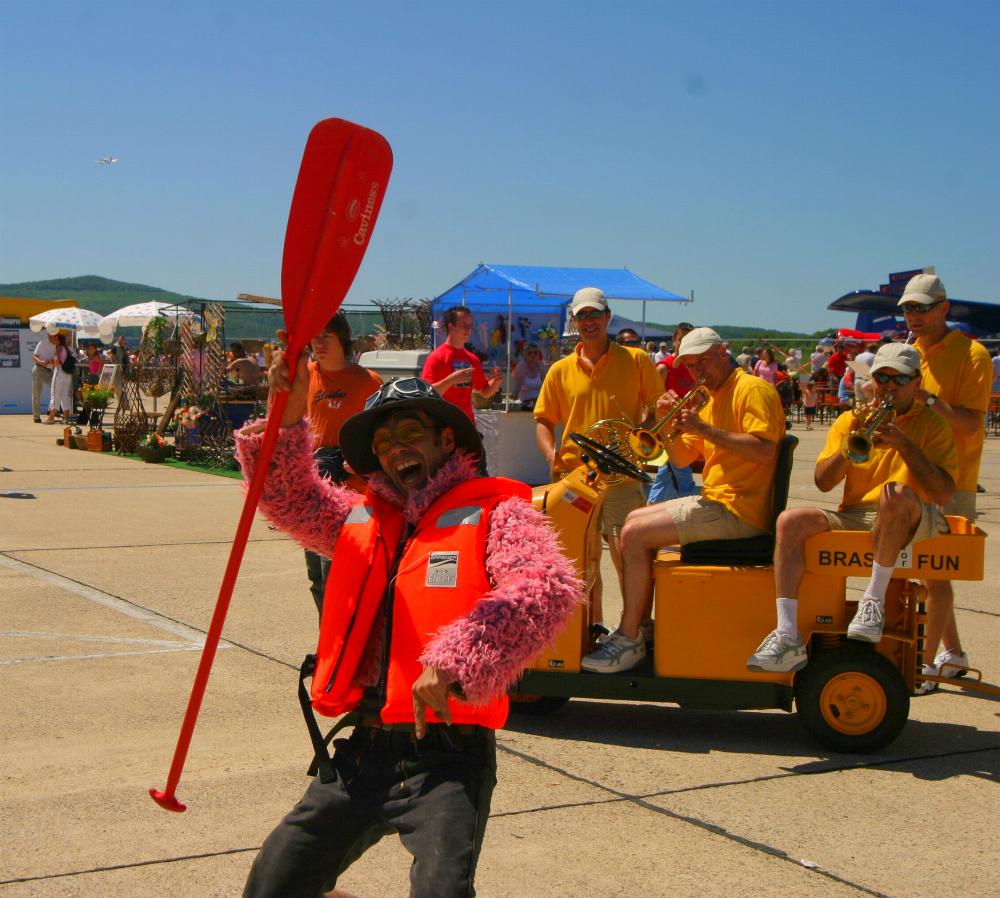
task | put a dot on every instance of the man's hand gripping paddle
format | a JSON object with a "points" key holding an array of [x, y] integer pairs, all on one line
{"points": [[337, 198]]}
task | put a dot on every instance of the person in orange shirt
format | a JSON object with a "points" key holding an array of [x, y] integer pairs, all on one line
{"points": [[894, 493], [957, 377], [338, 388]]}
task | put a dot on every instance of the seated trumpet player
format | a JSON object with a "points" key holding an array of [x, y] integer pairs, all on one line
{"points": [[898, 463], [737, 432]]}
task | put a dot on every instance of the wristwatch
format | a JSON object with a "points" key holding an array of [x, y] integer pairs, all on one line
{"points": [[930, 400]]}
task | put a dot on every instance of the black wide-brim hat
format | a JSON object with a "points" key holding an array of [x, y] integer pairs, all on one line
{"points": [[399, 396]]}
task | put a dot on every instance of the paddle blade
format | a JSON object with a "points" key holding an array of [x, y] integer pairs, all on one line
{"points": [[342, 180]]}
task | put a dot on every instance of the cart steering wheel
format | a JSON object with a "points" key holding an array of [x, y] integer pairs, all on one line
{"points": [[608, 460]]}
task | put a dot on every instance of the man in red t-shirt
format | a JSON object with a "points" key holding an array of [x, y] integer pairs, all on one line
{"points": [[672, 481], [454, 371], [836, 365]]}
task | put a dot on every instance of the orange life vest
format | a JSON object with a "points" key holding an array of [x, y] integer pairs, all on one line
{"points": [[436, 576]]}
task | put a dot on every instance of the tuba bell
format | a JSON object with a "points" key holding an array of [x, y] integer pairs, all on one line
{"points": [[857, 445]]}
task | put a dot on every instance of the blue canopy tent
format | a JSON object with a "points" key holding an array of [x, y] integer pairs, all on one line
{"points": [[516, 304]]}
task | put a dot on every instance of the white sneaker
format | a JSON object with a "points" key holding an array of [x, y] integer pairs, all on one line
{"points": [[616, 654], [645, 631], [868, 622], [779, 652], [951, 664], [927, 686]]}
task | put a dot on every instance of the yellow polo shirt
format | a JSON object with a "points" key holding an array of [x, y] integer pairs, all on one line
{"points": [[864, 482], [576, 395], [744, 404], [960, 371]]}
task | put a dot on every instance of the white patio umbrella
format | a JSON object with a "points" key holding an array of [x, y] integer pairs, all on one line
{"points": [[83, 321], [140, 314]]}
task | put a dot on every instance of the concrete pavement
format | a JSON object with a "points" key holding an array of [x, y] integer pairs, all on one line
{"points": [[109, 570]]}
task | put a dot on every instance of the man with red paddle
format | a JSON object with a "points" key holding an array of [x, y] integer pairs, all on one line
{"points": [[443, 585]]}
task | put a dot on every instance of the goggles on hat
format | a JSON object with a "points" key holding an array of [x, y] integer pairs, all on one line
{"points": [[410, 387]]}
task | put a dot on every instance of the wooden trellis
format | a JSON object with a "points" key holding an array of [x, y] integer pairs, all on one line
{"points": [[407, 323], [203, 364]]}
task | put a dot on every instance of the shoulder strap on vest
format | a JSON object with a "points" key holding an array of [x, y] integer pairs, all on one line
{"points": [[322, 763]]}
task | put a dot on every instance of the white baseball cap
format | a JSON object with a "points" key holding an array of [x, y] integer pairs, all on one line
{"points": [[589, 298], [695, 342], [925, 289]]}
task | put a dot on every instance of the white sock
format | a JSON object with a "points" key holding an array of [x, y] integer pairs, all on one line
{"points": [[788, 613], [881, 575]]}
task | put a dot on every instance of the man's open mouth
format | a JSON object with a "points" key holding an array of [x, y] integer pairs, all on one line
{"points": [[409, 472]]}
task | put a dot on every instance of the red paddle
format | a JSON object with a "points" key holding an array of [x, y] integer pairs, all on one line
{"points": [[337, 198]]}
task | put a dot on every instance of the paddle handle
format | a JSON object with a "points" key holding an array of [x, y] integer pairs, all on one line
{"points": [[166, 797]]}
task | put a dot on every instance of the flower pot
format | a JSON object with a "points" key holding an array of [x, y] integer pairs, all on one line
{"points": [[154, 454]]}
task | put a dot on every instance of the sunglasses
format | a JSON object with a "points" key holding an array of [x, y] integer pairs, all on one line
{"points": [[900, 379], [591, 315], [403, 434], [910, 307]]}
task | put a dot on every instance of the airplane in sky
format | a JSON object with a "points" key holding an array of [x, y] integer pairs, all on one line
{"points": [[107, 160]]}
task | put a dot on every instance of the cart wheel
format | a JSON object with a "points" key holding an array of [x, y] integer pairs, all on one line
{"points": [[536, 704], [851, 699]]}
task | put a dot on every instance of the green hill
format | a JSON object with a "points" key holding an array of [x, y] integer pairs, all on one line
{"points": [[98, 294], [104, 295]]}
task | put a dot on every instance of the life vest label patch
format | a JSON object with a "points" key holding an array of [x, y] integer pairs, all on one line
{"points": [[442, 569]]}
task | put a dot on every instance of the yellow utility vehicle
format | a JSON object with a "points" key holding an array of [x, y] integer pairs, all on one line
{"points": [[714, 602]]}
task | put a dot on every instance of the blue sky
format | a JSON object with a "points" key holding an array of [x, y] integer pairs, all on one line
{"points": [[768, 156]]}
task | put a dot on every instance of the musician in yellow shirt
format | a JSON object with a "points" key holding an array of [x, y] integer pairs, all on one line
{"points": [[599, 379], [957, 379], [738, 433], [910, 470]]}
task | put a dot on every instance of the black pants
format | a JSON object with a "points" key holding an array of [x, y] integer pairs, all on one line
{"points": [[435, 794], [318, 569]]}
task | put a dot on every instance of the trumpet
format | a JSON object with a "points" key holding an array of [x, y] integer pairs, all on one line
{"points": [[857, 445], [641, 445]]}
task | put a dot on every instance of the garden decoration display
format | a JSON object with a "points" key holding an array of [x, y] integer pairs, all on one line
{"points": [[337, 198]]}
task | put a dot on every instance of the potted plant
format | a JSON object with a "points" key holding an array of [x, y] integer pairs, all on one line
{"points": [[95, 396], [153, 448]]}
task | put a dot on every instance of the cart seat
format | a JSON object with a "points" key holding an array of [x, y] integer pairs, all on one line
{"points": [[753, 549]]}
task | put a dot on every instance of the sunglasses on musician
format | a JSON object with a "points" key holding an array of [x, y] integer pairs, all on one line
{"points": [[899, 379], [918, 307]]}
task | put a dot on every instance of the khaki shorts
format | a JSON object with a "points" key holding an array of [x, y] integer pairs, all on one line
{"points": [[698, 519], [963, 502], [862, 517], [619, 500]]}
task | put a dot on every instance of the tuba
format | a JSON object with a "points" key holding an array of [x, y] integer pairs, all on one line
{"points": [[640, 445], [857, 445]]}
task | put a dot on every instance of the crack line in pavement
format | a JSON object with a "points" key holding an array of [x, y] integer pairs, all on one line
{"points": [[116, 603], [641, 801], [132, 609], [111, 867], [161, 545], [229, 482]]}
